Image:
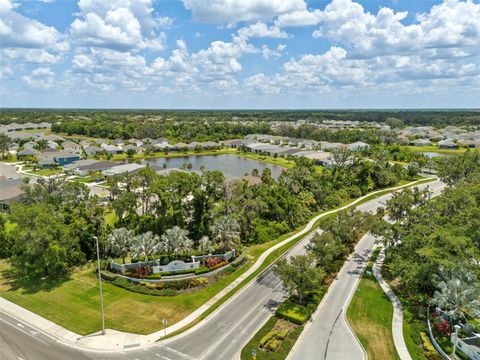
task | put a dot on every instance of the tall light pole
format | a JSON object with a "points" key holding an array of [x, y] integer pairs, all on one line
{"points": [[455, 342], [100, 285]]}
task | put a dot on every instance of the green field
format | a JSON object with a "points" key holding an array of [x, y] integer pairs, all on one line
{"points": [[46, 172], [435, 149], [370, 315]]}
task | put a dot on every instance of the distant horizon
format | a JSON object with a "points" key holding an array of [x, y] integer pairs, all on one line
{"points": [[244, 109]]}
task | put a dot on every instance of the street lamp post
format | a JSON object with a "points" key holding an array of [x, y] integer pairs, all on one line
{"points": [[455, 342], [100, 285]]}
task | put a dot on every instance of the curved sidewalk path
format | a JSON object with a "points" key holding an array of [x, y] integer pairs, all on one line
{"points": [[397, 321], [119, 341]]}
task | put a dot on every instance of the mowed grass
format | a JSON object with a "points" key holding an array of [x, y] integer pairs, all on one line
{"points": [[370, 315], [75, 303], [435, 149]]}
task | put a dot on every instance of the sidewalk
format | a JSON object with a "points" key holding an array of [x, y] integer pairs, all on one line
{"points": [[118, 341], [397, 322]]}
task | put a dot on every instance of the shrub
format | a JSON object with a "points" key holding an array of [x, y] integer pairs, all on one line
{"points": [[143, 271], [212, 262], [239, 261], [273, 339], [430, 352], [219, 265], [108, 276], [442, 327], [202, 270], [295, 313], [196, 282]]}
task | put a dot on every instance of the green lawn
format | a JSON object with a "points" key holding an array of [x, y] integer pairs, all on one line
{"points": [[434, 148], [370, 315], [267, 159], [47, 172]]}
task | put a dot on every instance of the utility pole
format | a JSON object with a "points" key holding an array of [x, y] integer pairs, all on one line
{"points": [[100, 285]]}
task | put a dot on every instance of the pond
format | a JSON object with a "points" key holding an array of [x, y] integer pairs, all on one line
{"points": [[431, 155], [231, 166]]}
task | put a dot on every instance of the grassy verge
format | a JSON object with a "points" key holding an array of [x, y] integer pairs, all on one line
{"points": [[370, 315], [175, 154], [435, 149], [279, 161], [74, 302], [46, 172], [281, 352]]}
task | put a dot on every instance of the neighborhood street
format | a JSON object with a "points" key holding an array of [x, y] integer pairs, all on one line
{"points": [[224, 333]]}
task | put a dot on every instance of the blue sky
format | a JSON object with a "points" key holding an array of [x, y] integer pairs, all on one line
{"points": [[239, 54]]}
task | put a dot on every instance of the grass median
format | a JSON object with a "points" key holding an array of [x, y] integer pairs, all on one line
{"points": [[370, 315]]}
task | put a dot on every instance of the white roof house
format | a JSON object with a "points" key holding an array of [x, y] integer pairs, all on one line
{"points": [[122, 169]]}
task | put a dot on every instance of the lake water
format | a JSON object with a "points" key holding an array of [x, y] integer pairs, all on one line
{"points": [[431, 155], [231, 166]]}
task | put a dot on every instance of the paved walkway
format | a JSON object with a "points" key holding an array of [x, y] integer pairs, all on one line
{"points": [[116, 341], [397, 323]]}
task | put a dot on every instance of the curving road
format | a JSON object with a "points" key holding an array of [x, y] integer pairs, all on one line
{"points": [[221, 336]]}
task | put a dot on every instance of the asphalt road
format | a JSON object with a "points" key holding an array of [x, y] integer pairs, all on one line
{"points": [[328, 335], [221, 336]]}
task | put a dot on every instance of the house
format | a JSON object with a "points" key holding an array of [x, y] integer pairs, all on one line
{"points": [[211, 145], [57, 158], [26, 153], [84, 169], [52, 144], [123, 169], [325, 145], [10, 190], [356, 146], [71, 146], [136, 149], [319, 157], [447, 144], [235, 143], [180, 146], [79, 163], [470, 143], [30, 145], [420, 142], [91, 150], [260, 148], [110, 149]]}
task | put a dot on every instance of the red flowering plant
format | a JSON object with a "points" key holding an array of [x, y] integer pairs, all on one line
{"points": [[211, 262], [143, 271], [442, 326]]}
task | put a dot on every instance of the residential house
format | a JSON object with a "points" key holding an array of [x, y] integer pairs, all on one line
{"points": [[91, 150], [420, 142], [26, 153], [57, 158], [123, 169], [10, 190], [447, 144], [359, 145]]}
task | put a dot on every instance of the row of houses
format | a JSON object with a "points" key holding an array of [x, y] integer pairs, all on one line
{"points": [[22, 127], [447, 143]]}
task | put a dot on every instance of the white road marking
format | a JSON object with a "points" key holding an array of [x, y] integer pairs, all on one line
{"points": [[176, 352], [25, 332]]}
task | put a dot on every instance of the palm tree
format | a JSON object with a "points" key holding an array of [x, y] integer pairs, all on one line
{"points": [[145, 244], [457, 294], [176, 240], [205, 246], [226, 232], [119, 242]]}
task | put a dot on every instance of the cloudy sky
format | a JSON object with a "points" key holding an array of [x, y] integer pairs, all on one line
{"points": [[240, 53]]}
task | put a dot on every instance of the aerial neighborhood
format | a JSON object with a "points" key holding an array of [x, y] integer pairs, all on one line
{"points": [[239, 180]]}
